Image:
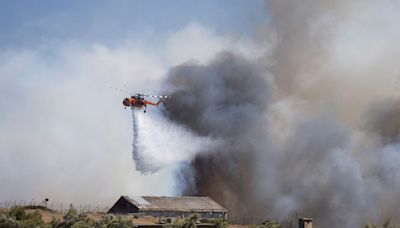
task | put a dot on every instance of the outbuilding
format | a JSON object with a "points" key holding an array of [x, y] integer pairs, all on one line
{"points": [[169, 207]]}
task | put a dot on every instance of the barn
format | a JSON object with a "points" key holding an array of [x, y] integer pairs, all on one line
{"points": [[169, 207]]}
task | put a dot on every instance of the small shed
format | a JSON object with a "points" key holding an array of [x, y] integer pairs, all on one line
{"points": [[169, 207]]}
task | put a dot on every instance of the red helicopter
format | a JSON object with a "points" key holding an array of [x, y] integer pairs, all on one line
{"points": [[138, 101]]}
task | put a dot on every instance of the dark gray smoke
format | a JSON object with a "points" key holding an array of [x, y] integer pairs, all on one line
{"points": [[226, 99], [315, 171], [229, 99], [299, 134]]}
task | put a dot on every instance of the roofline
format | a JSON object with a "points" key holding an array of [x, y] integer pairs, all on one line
{"points": [[141, 208], [183, 210]]}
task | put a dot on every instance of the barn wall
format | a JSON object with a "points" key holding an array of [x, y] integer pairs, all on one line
{"points": [[173, 214], [122, 206]]}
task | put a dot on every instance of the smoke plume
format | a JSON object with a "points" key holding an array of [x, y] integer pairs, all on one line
{"points": [[227, 100], [305, 130]]}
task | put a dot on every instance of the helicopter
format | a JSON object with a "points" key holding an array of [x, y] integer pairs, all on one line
{"points": [[138, 100]]}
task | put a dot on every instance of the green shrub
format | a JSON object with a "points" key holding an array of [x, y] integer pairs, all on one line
{"points": [[72, 217], [105, 219], [189, 222], [268, 224], [54, 223], [72, 213], [17, 217], [7, 222], [86, 223], [17, 213], [119, 222], [221, 223], [33, 220], [111, 221]]}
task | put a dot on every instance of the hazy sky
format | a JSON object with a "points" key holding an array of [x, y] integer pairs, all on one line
{"points": [[36, 22]]}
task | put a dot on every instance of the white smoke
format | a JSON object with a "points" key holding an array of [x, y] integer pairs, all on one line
{"points": [[62, 126]]}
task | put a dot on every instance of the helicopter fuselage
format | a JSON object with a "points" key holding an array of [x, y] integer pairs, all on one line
{"points": [[134, 102]]}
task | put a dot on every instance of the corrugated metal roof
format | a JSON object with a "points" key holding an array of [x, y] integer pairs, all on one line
{"points": [[183, 203], [140, 200]]}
